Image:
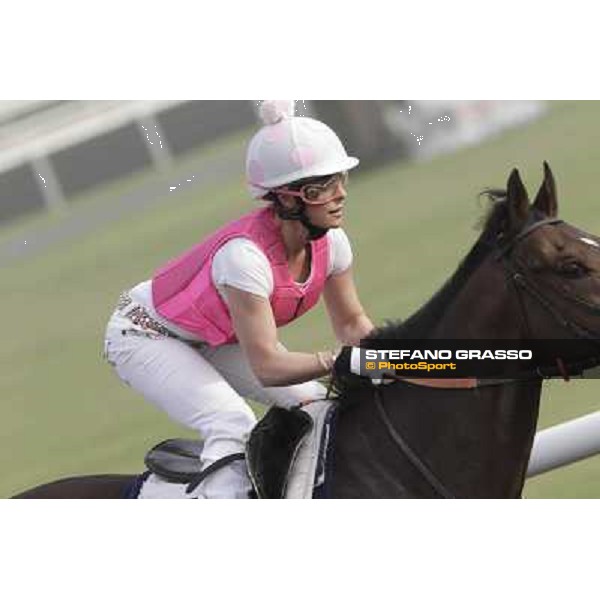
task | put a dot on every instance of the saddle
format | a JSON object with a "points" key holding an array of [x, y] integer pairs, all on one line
{"points": [[287, 455]]}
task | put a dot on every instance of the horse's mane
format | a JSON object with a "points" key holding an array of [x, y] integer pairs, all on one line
{"points": [[421, 322]]}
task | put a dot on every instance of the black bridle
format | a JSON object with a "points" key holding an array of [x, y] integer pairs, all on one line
{"points": [[515, 273]]}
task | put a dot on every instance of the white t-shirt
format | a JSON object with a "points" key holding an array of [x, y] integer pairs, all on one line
{"points": [[240, 263]]}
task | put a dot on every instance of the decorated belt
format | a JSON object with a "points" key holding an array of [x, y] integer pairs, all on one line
{"points": [[139, 316]]}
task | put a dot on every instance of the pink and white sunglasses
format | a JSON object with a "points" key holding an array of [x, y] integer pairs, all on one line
{"points": [[318, 193]]}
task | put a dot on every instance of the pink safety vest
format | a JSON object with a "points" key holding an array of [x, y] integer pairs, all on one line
{"points": [[184, 294]]}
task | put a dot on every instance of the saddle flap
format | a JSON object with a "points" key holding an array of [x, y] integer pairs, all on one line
{"points": [[311, 471], [272, 447], [176, 460]]}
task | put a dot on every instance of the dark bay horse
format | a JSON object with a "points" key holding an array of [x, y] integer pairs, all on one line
{"points": [[528, 276]]}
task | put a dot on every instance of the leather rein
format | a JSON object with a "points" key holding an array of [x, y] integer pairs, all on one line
{"points": [[514, 272]]}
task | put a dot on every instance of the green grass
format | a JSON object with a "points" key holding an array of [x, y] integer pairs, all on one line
{"points": [[63, 411]]}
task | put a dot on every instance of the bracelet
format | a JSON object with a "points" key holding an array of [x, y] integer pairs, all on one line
{"points": [[326, 360]]}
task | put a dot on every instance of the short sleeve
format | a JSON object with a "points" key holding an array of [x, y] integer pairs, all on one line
{"points": [[241, 264], [340, 251]]}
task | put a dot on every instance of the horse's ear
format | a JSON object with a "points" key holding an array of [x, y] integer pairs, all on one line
{"points": [[517, 201], [546, 201]]}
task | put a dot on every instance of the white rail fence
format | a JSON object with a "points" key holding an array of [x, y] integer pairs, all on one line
{"points": [[51, 151], [564, 444]]}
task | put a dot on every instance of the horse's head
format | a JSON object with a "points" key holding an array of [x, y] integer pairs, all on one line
{"points": [[555, 266], [529, 275]]}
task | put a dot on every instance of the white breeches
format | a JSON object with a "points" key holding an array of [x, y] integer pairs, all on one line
{"points": [[202, 388]]}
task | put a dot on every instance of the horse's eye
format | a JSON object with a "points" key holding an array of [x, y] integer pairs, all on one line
{"points": [[573, 269]]}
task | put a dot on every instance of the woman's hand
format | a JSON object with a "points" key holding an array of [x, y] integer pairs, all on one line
{"points": [[255, 327]]}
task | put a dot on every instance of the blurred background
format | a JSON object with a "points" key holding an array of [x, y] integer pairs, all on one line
{"points": [[94, 195]]}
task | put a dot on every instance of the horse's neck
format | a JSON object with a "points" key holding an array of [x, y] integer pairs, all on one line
{"points": [[486, 308], [477, 442]]}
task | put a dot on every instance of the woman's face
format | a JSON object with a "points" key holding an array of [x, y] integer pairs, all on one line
{"points": [[330, 214], [323, 202]]}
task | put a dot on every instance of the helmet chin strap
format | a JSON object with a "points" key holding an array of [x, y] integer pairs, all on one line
{"points": [[299, 214], [314, 231]]}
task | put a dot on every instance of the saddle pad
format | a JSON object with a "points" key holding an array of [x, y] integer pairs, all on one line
{"points": [[307, 475]]}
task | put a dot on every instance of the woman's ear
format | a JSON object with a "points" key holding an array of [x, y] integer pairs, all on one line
{"points": [[287, 200]]}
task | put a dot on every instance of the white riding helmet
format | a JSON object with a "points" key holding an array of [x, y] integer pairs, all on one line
{"points": [[289, 148]]}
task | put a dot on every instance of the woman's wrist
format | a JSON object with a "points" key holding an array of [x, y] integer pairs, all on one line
{"points": [[326, 359]]}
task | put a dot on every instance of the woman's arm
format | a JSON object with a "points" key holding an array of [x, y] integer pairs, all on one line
{"points": [[348, 318], [256, 330]]}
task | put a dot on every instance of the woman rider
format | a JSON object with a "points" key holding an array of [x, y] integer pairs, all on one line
{"points": [[201, 335]]}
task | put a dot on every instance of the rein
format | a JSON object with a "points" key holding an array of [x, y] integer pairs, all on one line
{"points": [[514, 273], [407, 451]]}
